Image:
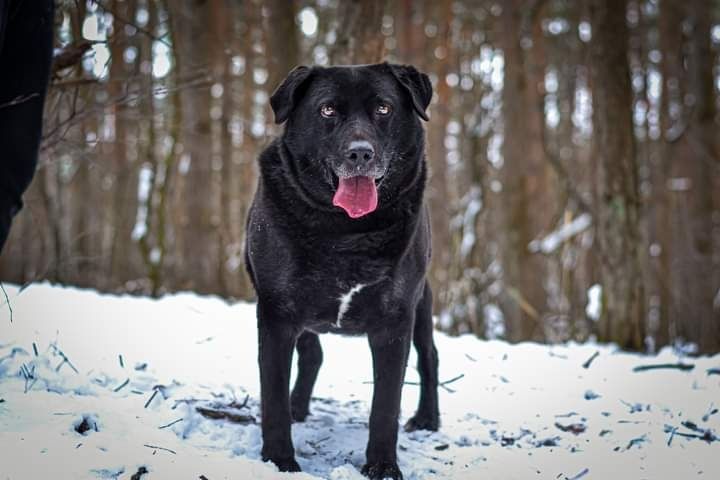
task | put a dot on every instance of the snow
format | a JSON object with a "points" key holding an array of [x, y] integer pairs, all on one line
{"points": [[594, 304], [552, 241], [508, 411]]}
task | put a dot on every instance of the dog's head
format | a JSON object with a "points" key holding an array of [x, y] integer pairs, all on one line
{"points": [[353, 132]]}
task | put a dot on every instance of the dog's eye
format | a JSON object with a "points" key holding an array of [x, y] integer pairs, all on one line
{"points": [[383, 109], [327, 111]]}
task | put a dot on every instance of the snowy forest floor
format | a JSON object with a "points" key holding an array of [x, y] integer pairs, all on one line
{"points": [[99, 386]]}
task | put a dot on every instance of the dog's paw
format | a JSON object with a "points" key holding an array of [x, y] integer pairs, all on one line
{"points": [[423, 422], [382, 470], [284, 464]]}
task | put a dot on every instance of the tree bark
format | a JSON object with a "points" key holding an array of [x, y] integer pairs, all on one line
{"points": [[196, 227], [698, 163], [359, 39], [622, 318], [525, 174]]}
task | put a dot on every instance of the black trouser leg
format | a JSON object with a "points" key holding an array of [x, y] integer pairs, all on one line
{"points": [[26, 37]]}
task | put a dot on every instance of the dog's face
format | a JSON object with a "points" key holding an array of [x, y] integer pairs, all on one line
{"points": [[353, 132]]}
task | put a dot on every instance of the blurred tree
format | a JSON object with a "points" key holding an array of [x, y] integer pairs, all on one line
{"points": [[622, 318], [526, 183], [358, 38], [197, 221], [693, 264]]}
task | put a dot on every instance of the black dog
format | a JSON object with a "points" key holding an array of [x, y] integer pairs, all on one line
{"points": [[338, 240]]}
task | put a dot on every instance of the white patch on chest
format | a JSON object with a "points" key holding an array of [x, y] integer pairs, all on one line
{"points": [[345, 302]]}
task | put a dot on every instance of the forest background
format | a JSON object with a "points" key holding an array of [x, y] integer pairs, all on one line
{"points": [[574, 150]]}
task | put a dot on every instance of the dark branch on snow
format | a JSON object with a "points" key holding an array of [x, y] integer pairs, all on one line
{"points": [[675, 366]]}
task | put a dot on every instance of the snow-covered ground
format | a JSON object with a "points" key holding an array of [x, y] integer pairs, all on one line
{"points": [[131, 373]]}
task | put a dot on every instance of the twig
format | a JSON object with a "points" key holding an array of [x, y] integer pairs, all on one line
{"points": [[447, 382], [35, 350], [441, 384], [711, 411], [122, 363], [454, 379], [65, 359], [584, 472], [128, 22], [160, 448], [74, 82], [7, 300], [155, 391], [171, 423], [122, 385], [589, 361], [713, 371], [675, 366], [222, 414], [19, 100]]}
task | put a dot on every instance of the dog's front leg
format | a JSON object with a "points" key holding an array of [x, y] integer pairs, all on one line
{"points": [[276, 343], [389, 351]]}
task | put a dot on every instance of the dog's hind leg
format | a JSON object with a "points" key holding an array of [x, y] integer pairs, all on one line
{"points": [[310, 357], [427, 416]]}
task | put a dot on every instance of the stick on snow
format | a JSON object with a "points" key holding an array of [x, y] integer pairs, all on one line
{"points": [[160, 448], [673, 366], [589, 361], [155, 391], [122, 385], [171, 423], [7, 300]]}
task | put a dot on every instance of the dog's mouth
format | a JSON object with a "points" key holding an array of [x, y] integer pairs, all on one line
{"points": [[357, 195]]}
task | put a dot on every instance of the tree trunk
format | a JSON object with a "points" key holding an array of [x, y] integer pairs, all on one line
{"points": [[697, 164], [437, 188], [125, 201], [197, 220], [526, 193], [664, 208], [359, 39], [622, 318]]}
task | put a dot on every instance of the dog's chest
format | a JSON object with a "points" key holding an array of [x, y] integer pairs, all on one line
{"points": [[343, 306]]}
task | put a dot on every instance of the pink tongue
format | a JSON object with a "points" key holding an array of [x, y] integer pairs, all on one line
{"points": [[356, 195]]}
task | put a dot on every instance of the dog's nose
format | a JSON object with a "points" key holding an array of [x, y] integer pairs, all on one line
{"points": [[360, 151]]}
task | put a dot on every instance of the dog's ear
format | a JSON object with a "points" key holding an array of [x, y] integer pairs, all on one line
{"points": [[417, 84], [285, 97]]}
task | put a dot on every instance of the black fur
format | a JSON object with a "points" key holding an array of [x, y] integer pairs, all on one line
{"points": [[26, 36], [303, 253]]}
